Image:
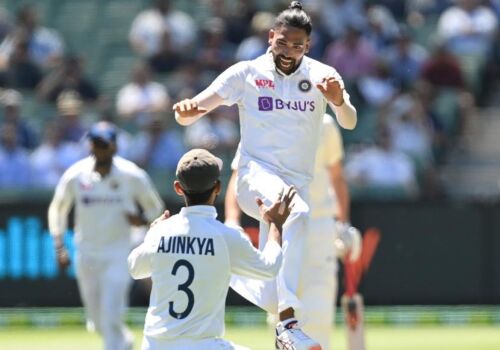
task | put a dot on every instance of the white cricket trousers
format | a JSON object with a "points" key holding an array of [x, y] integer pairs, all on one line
{"points": [[317, 290], [104, 283], [256, 181], [318, 283], [152, 343]]}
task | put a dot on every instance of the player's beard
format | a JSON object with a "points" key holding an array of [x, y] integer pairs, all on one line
{"points": [[103, 163], [285, 64]]}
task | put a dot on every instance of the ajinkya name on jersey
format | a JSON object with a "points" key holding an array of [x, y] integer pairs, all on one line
{"points": [[186, 245], [267, 103]]}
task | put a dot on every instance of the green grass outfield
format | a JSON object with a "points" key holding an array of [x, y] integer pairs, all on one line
{"points": [[260, 338]]}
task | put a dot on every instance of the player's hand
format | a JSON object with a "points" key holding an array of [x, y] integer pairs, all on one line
{"points": [[279, 211], [162, 217], [333, 89], [188, 108], [62, 257], [348, 241]]}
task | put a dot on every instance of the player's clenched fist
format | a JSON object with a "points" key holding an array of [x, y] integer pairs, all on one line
{"points": [[188, 108], [62, 257]]}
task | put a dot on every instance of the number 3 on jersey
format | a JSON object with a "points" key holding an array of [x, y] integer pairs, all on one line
{"points": [[184, 288]]}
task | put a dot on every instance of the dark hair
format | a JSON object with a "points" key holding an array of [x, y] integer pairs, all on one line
{"points": [[199, 198], [294, 16]]}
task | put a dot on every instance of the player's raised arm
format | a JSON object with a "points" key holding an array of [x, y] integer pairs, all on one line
{"points": [[332, 88], [188, 111], [226, 89], [249, 262]]}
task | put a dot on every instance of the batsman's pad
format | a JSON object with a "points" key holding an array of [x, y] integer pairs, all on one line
{"points": [[353, 308]]}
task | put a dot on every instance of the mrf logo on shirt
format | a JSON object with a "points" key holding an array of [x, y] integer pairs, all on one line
{"points": [[267, 103], [264, 83]]}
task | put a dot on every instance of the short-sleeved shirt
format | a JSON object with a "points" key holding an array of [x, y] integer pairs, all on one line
{"points": [[102, 203], [280, 115]]}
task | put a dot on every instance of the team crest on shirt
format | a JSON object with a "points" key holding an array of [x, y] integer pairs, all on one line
{"points": [[114, 185], [305, 85]]}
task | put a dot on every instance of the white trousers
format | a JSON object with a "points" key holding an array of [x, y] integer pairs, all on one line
{"points": [[150, 343], [317, 287], [256, 181], [104, 283]]}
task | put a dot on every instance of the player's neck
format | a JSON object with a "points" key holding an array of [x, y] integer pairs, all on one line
{"points": [[103, 170], [103, 167]]}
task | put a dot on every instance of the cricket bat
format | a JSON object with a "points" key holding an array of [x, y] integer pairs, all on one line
{"points": [[352, 301]]}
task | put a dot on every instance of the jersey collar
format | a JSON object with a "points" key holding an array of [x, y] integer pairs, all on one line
{"points": [[201, 210]]}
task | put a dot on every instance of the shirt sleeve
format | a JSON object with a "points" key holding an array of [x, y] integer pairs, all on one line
{"points": [[249, 262], [230, 85], [148, 197], [236, 159], [60, 205], [139, 259]]}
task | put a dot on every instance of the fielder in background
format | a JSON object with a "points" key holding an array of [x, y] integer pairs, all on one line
{"points": [[282, 97], [329, 236], [105, 190], [191, 256]]}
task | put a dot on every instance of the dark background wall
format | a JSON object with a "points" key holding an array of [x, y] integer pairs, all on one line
{"points": [[430, 253]]}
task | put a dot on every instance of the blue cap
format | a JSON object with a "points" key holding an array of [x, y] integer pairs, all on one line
{"points": [[103, 131]]}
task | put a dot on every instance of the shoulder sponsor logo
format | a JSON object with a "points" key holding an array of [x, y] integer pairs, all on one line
{"points": [[264, 83], [267, 103]]}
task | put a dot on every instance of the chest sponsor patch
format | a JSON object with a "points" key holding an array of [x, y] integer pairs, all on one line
{"points": [[267, 103], [264, 83]]}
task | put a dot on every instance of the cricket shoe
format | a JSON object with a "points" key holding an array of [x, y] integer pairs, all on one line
{"points": [[290, 337]]}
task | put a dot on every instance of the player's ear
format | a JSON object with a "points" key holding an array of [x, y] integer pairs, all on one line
{"points": [[270, 36], [178, 189], [217, 188], [307, 46]]}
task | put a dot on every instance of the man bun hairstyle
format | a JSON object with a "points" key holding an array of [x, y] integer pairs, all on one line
{"points": [[294, 16]]}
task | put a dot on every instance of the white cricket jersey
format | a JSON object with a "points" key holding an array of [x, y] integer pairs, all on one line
{"points": [[322, 199], [190, 258], [101, 204], [280, 115]]}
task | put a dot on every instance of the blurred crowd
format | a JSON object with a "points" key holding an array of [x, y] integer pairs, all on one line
{"points": [[416, 70]]}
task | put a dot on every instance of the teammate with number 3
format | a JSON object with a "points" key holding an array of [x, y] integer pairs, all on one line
{"points": [[191, 256]]}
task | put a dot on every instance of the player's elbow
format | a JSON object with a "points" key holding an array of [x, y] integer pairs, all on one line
{"points": [[273, 269], [349, 123], [136, 269]]}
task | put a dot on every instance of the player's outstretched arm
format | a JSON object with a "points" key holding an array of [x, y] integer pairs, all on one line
{"points": [[188, 111]]}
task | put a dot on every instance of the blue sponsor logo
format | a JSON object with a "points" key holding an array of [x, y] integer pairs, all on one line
{"points": [[90, 200], [267, 103]]}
